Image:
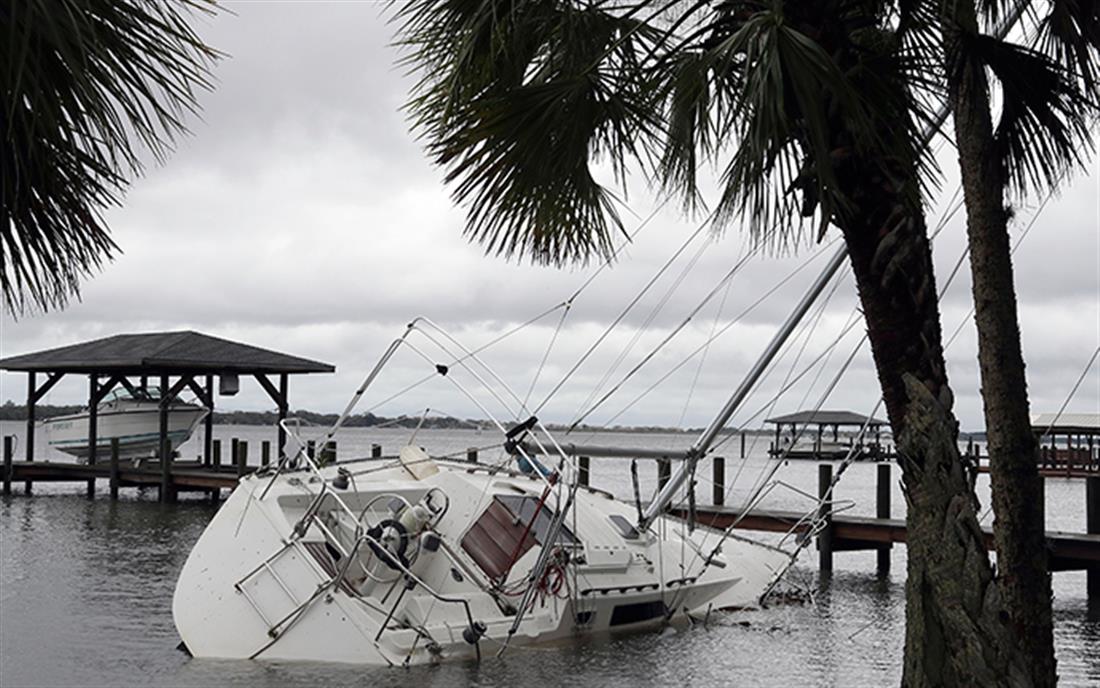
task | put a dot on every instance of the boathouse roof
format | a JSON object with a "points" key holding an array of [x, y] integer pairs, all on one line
{"points": [[163, 352], [826, 418], [1084, 423]]}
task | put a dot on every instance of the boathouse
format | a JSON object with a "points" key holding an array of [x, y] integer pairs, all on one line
{"points": [[1068, 441], [801, 435], [174, 362]]}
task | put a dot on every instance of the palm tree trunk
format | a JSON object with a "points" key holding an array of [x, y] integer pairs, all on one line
{"points": [[1018, 530], [954, 633]]}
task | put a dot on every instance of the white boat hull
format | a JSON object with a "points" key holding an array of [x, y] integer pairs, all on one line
{"points": [[137, 431], [252, 588]]}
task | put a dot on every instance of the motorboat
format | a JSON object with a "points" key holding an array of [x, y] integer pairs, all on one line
{"points": [[819, 449], [132, 417]]}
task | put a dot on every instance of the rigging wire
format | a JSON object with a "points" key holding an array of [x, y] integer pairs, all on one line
{"points": [[725, 328], [566, 305], [640, 331], [668, 338], [619, 318], [1073, 391], [706, 351]]}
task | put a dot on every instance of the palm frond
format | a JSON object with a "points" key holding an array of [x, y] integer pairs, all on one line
{"points": [[87, 85], [789, 99], [1070, 33], [1043, 127], [518, 101]]}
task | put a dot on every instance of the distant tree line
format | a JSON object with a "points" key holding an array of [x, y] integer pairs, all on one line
{"points": [[12, 411]]}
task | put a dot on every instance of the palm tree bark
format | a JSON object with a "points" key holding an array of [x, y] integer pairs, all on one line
{"points": [[955, 633], [1018, 529]]}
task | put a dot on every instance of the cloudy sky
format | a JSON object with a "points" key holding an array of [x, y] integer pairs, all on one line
{"points": [[302, 216]]}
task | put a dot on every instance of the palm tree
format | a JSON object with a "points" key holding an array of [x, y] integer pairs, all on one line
{"points": [[87, 85], [1048, 95], [812, 110]]}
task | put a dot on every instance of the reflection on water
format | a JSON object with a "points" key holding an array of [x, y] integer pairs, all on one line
{"points": [[86, 589]]}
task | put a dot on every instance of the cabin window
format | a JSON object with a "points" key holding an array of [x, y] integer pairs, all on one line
{"points": [[636, 613]]}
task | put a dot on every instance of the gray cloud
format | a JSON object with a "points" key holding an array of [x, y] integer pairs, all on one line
{"points": [[302, 215]]}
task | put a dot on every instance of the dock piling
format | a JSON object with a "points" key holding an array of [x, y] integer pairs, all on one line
{"points": [[376, 451], [242, 457], [719, 469], [471, 454], [584, 470], [882, 510], [825, 537], [1092, 527], [113, 481], [8, 449], [265, 453], [216, 452], [166, 493]]}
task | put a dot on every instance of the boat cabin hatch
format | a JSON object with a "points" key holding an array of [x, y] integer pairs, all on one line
{"points": [[509, 527]]}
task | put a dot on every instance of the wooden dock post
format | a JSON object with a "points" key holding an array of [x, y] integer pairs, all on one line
{"points": [[1092, 527], [376, 451], [8, 449], [311, 449], [167, 493], [265, 453], [719, 469], [471, 454], [664, 472], [882, 510], [216, 453], [242, 458], [825, 537], [113, 482], [584, 470], [93, 428]]}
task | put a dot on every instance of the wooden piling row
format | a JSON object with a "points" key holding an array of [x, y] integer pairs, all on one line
{"points": [[827, 537]]}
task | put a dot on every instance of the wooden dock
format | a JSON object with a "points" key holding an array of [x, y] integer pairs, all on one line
{"points": [[179, 476], [1068, 551]]}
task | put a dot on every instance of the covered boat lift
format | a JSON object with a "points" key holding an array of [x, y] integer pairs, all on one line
{"points": [[1079, 435], [799, 422], [177, 361]]}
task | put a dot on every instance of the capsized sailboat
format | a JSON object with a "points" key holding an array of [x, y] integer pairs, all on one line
{"points": [[417, 560]]}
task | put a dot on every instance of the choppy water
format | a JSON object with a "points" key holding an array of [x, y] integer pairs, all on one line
{"points": [[86, 587]]}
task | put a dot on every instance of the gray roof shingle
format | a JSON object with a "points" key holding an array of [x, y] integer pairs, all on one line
{"points": [[161, 353], [826, 418]]}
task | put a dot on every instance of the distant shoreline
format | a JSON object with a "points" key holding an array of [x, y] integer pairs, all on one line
{"points": [[11, 411]]}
